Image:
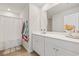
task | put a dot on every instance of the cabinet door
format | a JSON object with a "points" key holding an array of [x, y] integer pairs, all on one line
{"points": [[41, 45], [64, 52], [52, 48], [35, 43], [38, 44], [49, 47]]}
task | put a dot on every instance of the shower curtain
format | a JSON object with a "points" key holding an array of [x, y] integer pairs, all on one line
{"points": [[10, 32]]}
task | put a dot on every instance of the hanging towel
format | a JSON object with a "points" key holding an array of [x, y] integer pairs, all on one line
{"points": [[23, 28], [25, 31]]}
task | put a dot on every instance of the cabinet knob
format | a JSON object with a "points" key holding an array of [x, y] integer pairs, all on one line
{"points": [[57, 49], [54, 48]]}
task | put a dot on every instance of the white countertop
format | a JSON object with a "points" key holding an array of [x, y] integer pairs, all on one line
{"points": [[58, 35]]}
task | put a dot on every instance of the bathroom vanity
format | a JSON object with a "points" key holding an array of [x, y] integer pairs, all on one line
{"points": [[55, 44]]}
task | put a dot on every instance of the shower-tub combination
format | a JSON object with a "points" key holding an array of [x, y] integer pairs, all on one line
{"points": [[10, 32]]}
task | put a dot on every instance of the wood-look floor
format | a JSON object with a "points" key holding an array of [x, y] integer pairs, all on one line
{"points": [[21, 52]]}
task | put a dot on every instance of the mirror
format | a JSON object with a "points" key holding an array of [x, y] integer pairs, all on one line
{"points": [[61, 14], [72, 20]]}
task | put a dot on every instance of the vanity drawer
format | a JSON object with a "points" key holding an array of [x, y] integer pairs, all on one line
{"points": [[71, 46], [55, 50]]}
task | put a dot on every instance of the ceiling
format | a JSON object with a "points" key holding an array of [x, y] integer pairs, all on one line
{"points": [[39, 4], [17, 7], [51, 7], [61, 7], [14, 7]]}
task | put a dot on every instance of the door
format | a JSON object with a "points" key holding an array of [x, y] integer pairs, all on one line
{"points": [[41, 45], [35, 43], [49, 47]]}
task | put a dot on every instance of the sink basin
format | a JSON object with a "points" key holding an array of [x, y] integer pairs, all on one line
{"points": [[74, 35]]}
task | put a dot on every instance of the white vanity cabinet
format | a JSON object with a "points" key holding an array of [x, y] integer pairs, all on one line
{"points": [[50, 46], [38, 44], [54, 47]]}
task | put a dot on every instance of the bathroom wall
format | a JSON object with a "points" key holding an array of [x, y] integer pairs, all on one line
{"points": [[25, 13], [58, 19], [43, 20], [8, 13], [34, 18], [34, 23], [37, 21]]}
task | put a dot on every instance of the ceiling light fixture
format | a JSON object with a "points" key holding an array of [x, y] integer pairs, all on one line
{"points": [[8, 9]]}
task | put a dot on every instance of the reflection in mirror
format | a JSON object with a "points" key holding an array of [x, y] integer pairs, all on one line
{"points": [[58, 16], [49, 24]]}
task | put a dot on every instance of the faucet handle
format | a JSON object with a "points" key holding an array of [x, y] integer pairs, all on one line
{"points": [[41, 29], [44, 29]]}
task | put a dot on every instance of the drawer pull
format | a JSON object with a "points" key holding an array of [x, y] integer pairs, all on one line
{"points": [[57, 49], [54, 48]]}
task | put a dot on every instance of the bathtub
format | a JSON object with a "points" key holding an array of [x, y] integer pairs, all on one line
{"points": [[9, 44]]}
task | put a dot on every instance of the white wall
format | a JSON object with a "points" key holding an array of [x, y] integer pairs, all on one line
{"points": [[34, 18], [25, 13], [34, 23], [43, 20], [37, 18], [58, 19], [37, 21], [8, 13]]}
